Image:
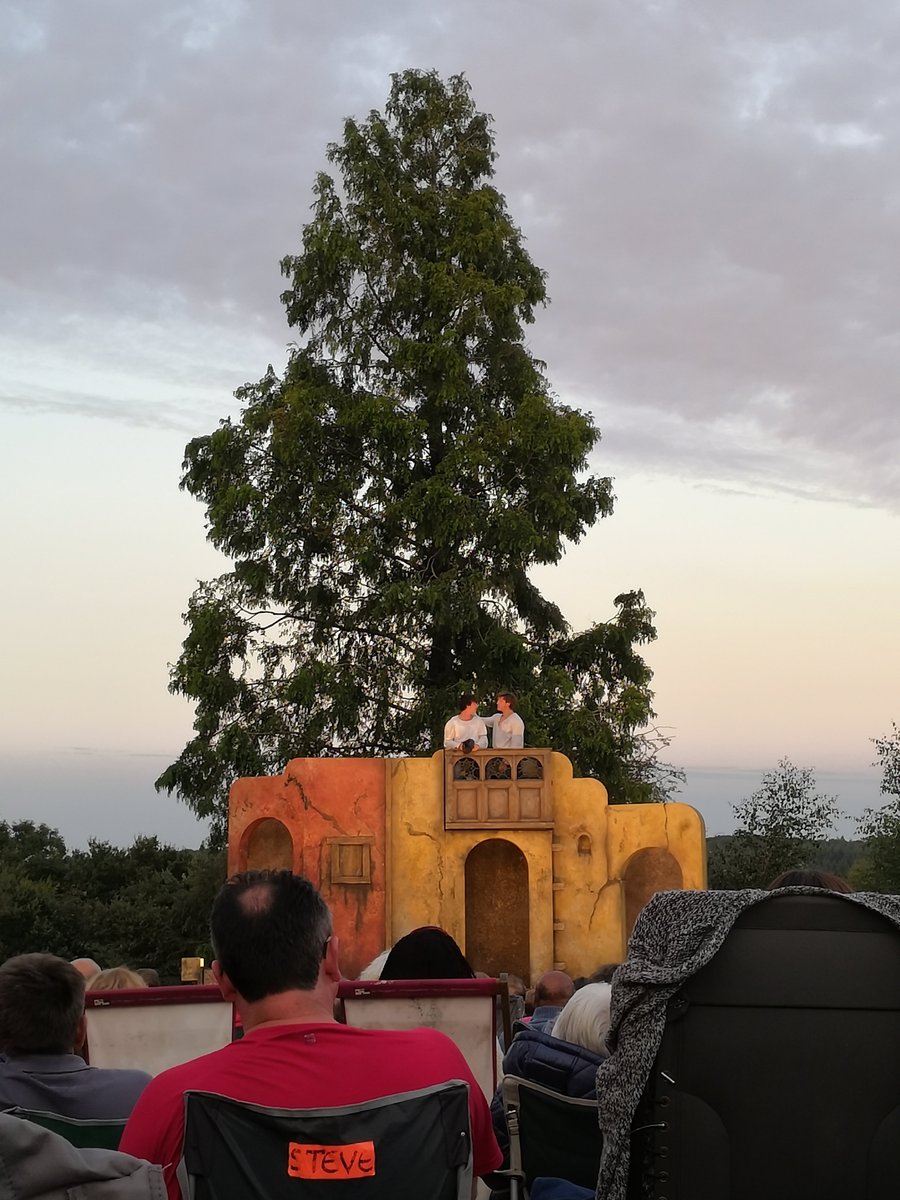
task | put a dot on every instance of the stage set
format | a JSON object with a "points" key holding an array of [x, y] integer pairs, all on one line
{"points": [[527, 867]]}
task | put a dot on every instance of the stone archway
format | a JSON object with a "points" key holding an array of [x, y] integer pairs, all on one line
{"points": [[647, 872], [268, 845], [497, 921]]}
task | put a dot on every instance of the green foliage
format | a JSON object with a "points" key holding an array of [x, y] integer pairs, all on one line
{"points": [[879, 870], [783, 825], [144, 906], [384, 499]]}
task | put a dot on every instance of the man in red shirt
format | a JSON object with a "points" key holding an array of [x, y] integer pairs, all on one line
{"points": [[278, 961]]}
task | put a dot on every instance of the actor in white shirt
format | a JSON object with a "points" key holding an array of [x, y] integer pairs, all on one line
{"points": [[465, 731], [508, 727]]}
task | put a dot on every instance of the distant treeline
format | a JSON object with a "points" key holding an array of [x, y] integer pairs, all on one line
{"points": [[146, 905], [743, 860], [836, 855]]}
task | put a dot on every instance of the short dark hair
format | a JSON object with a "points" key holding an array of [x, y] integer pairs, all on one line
{"points": [[269, 930], [510, 697], [465, 700], [810, 877], [41, 1003]]}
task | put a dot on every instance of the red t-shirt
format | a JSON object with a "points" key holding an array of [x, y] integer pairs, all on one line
{"points": [[305, 1066]]}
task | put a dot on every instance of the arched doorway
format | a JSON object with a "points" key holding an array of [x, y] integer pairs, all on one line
{"points": [[646, 873], [497, 930], [269, 846]]}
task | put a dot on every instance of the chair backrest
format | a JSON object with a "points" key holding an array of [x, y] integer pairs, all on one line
{"points": [[779, 1070], [464, 1009], [414, 1144], [104, 1135], [551, 1134], [152, 1029]]}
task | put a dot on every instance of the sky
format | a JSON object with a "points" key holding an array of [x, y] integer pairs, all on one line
{"points": [[713, 188]]}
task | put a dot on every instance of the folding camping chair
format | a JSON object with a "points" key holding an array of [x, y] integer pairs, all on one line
{"points": [[103, 1135], [778, 1075], [466, 1010], [416, 1144], [152, 1029], [549, 1135]]}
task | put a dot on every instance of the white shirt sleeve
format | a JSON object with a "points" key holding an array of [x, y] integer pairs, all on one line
{"points": [[451, 740], [481, 739]]}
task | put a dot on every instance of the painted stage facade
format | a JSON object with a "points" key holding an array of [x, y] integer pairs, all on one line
{"points": [[527, 867]]}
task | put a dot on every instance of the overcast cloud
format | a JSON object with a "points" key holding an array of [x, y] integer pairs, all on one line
{"points": [[713, 187]]}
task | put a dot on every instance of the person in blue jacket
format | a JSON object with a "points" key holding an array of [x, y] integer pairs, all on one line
{"points": [[566, 1060]]}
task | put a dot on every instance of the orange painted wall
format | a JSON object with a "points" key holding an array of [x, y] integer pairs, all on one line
{"points": [[317, 799]]}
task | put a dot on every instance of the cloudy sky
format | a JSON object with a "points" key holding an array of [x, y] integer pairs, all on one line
{"points": [[714, 190]]}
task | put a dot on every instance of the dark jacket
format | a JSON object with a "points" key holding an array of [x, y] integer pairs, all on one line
{"points": [[542, 1058]]}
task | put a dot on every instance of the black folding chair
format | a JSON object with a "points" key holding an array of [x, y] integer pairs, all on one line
{"points": [[414, 1144], [549, 1135], [778, 1075]]}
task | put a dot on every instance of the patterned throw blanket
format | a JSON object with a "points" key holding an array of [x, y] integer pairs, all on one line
{"points": [[675, 935]]}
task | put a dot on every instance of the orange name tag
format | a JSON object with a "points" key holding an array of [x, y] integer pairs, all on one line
{"points": [[354, 1161]]}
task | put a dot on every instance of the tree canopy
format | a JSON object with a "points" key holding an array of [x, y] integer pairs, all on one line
{"points": [[879, 869], [384, 499], [145, 906], [781, 826]]}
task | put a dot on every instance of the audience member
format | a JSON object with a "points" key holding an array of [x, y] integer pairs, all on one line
{"points": [[605, 973], [810, 878], [517, 990], [375, 967], [584, 1019], [427, 953], [37, 1164], [551, 992], [566, 1060], [114, 979], [86, 967], [42, 1028], [277, 959], [150, 976]]}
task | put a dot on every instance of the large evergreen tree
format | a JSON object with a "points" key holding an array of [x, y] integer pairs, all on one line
{"points": [[383, 500]]}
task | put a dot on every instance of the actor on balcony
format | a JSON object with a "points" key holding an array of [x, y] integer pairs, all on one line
{"points": [[508, 728], [466, 730]]}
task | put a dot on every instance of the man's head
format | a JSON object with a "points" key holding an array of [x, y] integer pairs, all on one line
{"points": [[86, 967], [41, 1005], [506, 703], [467, 706], [270, 931], [553, 989]]}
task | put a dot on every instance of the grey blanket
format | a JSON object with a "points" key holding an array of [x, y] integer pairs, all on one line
{"points": [[675, 935]]}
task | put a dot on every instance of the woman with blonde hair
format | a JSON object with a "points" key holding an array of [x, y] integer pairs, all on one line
{"points": [[113, 979]]}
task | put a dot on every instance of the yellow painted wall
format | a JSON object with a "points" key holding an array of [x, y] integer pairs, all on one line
{"points": [[577, 870], [427, 873], [588, 875]]}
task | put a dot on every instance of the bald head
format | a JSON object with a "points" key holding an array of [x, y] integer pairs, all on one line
{"points": [[86, 967], [553, 988]]}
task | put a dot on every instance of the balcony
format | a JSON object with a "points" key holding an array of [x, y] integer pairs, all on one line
{"points": [[498, 789]]}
